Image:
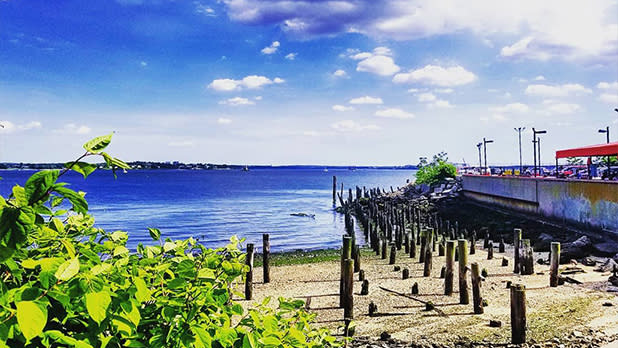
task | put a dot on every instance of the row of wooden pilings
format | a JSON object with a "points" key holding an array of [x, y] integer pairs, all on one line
{"points": [[390, 227]]}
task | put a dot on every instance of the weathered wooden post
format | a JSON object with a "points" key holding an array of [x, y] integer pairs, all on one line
{"points": [[450, 266], [518, 313], [473, 243], [334, 190], [490, 251], [405, 274], [346, 253], [501, 246], [393, 255], [464, 297], [266, 257], [384, 248], [527, 260], [361, 275], [348, 304], [428, 253], [421, 256], [357, 262], [516, 242], [365, 287], [554, 264], [249, 276], [477, 300]]}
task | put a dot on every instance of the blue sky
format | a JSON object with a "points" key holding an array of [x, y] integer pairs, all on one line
{"points": [[305, 82]]}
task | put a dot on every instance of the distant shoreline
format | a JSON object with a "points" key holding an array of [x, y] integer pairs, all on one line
{"points": [[200, 166]]}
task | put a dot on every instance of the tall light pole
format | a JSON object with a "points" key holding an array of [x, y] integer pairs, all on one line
{"points": [[519, 130], [534, 142], [478, 146], [606, 131], [485, 142]]}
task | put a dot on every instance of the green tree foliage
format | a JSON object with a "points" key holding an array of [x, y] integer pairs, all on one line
{"points": [[67, 283], [435, 171]]}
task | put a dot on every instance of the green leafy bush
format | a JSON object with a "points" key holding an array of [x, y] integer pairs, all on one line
{"points": [[436, 171], [67, 283]]}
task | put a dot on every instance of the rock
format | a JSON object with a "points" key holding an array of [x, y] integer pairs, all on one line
{"points": [[577, 249], [543, 242], [608, 304], [607, 247], [588, 262], [385, 336], [495, 323], [606, 266], [613, 280]]}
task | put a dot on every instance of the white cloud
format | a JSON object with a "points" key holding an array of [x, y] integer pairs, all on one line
{"points": [[379, 65], [72, 128], [444, 90], [442, 104], [291, 56], [394, 113], [613, 86], [236, 101], [311, 133], [413, 90], [366, 100], [539, 78], [340, 73], [609, 98], [361, 56], [352, 126], [437, 76], [494, 117], [250, 82], [511, 108], [557, 91], [426, 97], [10, 127], [272, 48], [143, 64], [342, 108], [259, 97], [554, 107], [203, 9], [223, 120]]}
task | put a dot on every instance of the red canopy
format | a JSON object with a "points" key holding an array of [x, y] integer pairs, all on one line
{"points": [[592, 150]]}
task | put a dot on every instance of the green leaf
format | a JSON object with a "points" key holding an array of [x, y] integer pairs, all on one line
{"points": [[83, 168], [248, 341], [270, 341], [79, 203], [120, 250], [21, 198], [155, 234], [119, 236], [102, 268], [31, 318], [98, 144], [39, 184], [96, 304], [68, 269], [168, 246], [202, 337], [29, 263], [143, 293], [206, 273]]}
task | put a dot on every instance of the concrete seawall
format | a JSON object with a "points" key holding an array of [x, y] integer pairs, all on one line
{"points": [[581, 202]]}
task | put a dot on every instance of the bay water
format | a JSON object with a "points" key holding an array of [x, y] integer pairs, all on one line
{"points": [[213, 205]]}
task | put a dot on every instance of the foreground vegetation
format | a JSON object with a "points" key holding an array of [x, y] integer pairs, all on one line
{"points": [[435, 171], [68, 283]]}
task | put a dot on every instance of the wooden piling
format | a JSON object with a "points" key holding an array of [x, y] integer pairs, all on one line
{"points": [[365, 287], [518, 313], [357, 262], [361, 275], [334, 189], [554, 264], [516, 242], [501, 246], [428, 253], [405, 274], [249, 276], [477, 300], [421, 256], [527, 258], [473, 243], [266, 257], [348, 304], [384, 248], [393, 255], [464, 297], [346, 253], [450, 266], [490, 250]]}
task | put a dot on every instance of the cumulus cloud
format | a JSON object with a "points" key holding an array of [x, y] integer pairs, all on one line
{"points": [[340, 73], [236, 101], [511, 108], [394, 113], [609, 98], [553, 107], [426, 97], [250, 82], [378, 62], [433, 101], [72, 128], [204, 9], [444, 90], [437, 76], [291, 56], [539, 78], [562, 29], [441, 104], [342, 108], [352, 126], [366, 100], [223, 120], [557, 90], [612, 86], [610, 92], [272, 48], [10, 127]]}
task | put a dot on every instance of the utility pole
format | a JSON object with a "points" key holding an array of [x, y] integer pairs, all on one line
{"points": [[478, 146], [519, 130], [606, 131], [485, 142], [534, 142]]}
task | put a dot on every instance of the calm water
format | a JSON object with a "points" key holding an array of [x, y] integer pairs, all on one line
{"points": [[214, 205]]}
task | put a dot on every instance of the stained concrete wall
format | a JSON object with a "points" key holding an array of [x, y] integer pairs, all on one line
{"points": [[581, 202]]}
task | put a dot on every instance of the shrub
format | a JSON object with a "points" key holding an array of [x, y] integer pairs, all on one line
{"points": [[436, 171], [68, 283]]}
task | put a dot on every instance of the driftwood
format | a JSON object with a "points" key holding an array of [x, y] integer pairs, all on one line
{"points": [[413, 298]]}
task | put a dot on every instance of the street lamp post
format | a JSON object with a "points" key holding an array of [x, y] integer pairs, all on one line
{"points": [[606, 131], [519, 130], [534, 143], [478, 146], [485, 142]]}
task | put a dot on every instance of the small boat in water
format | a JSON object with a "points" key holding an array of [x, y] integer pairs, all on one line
{"points": [[245, 169]]}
